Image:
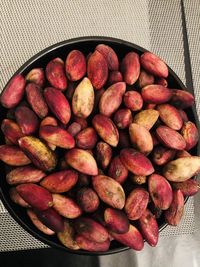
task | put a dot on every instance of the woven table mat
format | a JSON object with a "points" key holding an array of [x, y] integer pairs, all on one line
{"points": [[28, 26], [192, 14]]}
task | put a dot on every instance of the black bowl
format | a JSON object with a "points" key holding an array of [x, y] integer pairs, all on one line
{"points": [[86, 45]]}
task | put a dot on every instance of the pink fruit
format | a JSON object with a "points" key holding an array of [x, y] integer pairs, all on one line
{"points": [[16, 198], [106, 129], [27, 120], [149, 228], [175, 212], [140, 138], [57, 136], [182, 99], [87, 199], [13, 92], [58, 104], [156, 94], [136, 203], [170, 116], [83, 99], [91, 229], [13, 155], [49, 121], [109, 191], [83, 122], [97, 70], [161, 155], [38, 224], [66, 206], [74, 128], [92, 246], [161, 81], [132, 238], [103, 154], [114, 77], [154, 65], [75, 65], [182, 169], [117, 170], [160, 191], [55, 74], [35, 195], [130, 68], [51, 219], [133, 100], [123, 118], [60, 182], [136, 162], [170, 138], [38, 152], [36, 100], [86, 139], [36, 76], [111, 99], [116, 221], [11, 131], [146, 118], [67, 236], [189, 187], [145, 78], [110, 56], [25, 174], [81, 161], [190, 133]]}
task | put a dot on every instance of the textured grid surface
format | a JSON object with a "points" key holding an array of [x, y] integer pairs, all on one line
{"points": [[166, 40], [155, 25], [166, 36], [14, 238], [192, 13], [29, 26]]}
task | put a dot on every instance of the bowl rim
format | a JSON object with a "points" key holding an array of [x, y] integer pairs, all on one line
{"points": [[21, 70]]}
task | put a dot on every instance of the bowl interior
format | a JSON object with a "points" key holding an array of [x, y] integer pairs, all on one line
{"points": [[86, 45]]}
